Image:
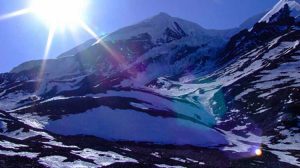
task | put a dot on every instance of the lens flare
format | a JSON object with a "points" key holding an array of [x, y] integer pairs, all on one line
{"points": [[118, 57], [88, 30], [46, 54], [15, 13], [258, 152], [57, 14]]}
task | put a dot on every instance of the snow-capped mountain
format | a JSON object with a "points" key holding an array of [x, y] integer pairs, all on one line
{"points": [[163, 29], [158, 93], [139, 52], [294, 6]]}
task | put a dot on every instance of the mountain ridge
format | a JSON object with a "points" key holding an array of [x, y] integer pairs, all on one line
{"points": [[226, 34], [294, 7]]}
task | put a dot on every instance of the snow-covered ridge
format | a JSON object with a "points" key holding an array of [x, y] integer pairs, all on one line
{"points": [[294, 6], [159, 29], [157, 25]]}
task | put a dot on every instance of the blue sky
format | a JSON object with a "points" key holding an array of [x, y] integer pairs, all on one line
{"points": [[24, 38]]}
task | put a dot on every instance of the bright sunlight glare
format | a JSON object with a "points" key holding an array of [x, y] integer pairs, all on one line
{"points": [[258, 152], [56, 14], [59, 13]]}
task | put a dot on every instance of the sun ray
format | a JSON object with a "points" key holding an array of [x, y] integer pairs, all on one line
{"points": [[49, 41], [93, 34], [89, 30], [46, 55], [118, 57], [15, 14]]}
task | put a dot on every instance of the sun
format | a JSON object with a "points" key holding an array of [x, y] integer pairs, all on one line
{"points": [[258, 152], [59, 13]]}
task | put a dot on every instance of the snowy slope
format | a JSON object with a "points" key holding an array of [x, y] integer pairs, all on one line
{"points": [[294, 6], [78, 49]]}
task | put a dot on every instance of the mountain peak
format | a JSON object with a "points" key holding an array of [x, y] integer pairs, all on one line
{"points": [[162, 14], [160, 17], [158, 26], [294, 6]]}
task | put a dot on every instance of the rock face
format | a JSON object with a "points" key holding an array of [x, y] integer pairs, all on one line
{"points": [[156, 93]]}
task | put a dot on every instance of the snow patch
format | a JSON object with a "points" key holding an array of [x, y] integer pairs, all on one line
{"points": [[10, 145], [21, 154], [286, 157], [103, 158], [59, 162], [167, 166]]}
